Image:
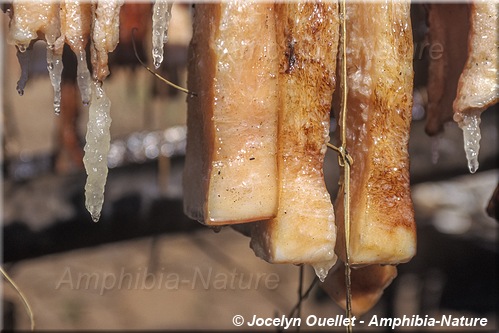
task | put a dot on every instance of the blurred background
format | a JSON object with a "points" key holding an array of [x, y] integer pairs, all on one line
{"points": [[145, 265]]}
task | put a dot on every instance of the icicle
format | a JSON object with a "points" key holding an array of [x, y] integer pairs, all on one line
{"points": [[54, 66], [84, 78], [470, 124], [435, 149], [160, 20], [24, 58], [320, 272], [76, 22], [322, 268], [96, 150]]}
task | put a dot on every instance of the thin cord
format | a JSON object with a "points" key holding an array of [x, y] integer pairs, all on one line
{"points": [[300, 290], [345, 161], [346, 167], [303, 297], [23, 298]]}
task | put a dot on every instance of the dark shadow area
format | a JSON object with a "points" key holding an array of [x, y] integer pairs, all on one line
{"points": [[127, 216]]}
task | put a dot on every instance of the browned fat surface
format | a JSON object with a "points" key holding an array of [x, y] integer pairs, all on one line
{"points": [[231, 170], [380, 75], [367, 286], [445, 66], [303, 230], [200, 134]]}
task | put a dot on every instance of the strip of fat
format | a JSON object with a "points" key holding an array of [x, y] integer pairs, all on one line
{"points": [[478, 86], [380, 84], [230, 173], [303, 230]]}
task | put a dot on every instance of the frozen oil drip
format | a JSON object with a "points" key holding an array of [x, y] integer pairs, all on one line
{"points": [[83, 78], [55, 66], [470, 124], [322, 268], [160, 21], [96, 150]]}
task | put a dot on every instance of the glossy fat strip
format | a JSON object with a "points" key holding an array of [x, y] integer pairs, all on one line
{"points": [[230, 173], [380, 84], [303, 230], [478, 86]]}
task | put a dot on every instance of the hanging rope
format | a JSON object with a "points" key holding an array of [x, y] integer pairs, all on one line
{"points": [[23, 298], [345, 161], [190, 93]]}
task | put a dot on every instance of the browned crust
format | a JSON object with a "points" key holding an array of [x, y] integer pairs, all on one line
{"points": [[367, 286], [445, 67], [201, 71]]}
